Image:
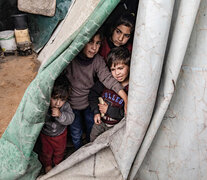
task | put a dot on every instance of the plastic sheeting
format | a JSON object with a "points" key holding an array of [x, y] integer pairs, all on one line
{"points": [[178, 150]]}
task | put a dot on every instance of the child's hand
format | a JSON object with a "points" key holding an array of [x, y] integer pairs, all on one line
{"points": [[56, 112], [97, 119], [103, 107]]}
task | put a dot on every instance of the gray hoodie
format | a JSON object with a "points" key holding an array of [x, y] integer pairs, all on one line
{"points": [[55, 126]]}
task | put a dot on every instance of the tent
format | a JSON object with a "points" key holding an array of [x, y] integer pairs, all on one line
{"points": [[164, 133]]}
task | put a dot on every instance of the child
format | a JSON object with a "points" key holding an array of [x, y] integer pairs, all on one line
{"points": [[120, 34], [118, 62], [81, 72], [54, 132]]}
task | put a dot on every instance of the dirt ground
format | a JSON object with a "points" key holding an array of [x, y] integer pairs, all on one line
{"points": [[16, 73]]}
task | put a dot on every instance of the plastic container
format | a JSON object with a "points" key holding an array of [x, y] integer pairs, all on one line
{"points": [[22, 36], [20, 21], [7, 41]]}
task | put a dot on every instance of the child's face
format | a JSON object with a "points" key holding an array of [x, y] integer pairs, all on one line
{"points": [[56, 102], [120, 72], [121, 35], [92, 47]]}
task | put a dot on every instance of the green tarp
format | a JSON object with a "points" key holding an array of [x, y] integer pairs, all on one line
{"points": [[18, 161]]}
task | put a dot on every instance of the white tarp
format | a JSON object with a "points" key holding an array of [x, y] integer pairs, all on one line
{"points": [[179, 149]]}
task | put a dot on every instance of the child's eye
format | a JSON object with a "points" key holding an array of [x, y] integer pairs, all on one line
{"points": [[118, 31], [127, 35], [98, 43]]}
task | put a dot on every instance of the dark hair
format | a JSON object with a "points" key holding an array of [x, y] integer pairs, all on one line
{"points": [[100, 33], [126, 20], [61, 88], [118, 55]]}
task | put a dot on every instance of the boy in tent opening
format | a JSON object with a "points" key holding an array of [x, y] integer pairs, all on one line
{"points": [[113, 106], [81, 72], [54, 132], [119, 35]]}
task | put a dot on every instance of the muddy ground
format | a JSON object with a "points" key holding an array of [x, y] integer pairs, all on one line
{"points": [[16, 73]]}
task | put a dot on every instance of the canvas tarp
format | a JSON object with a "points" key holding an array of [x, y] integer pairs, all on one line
{"points": [[175, 63]]}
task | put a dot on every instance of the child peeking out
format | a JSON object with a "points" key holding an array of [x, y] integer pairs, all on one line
{"points": [[54, 132], [120, 35], [113, 107]]}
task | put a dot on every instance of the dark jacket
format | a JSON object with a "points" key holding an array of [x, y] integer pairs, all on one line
{"points": [[115, 111]]}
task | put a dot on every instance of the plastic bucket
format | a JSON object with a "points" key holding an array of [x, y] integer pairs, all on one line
{"points": [[7, 41], [20, 21]]}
